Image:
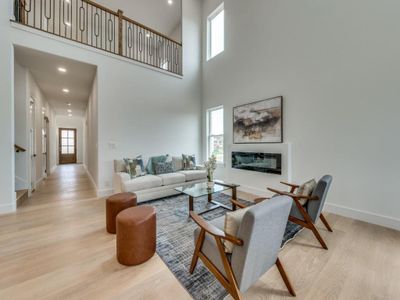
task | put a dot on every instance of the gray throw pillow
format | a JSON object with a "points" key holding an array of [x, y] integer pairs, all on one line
{"points": [[163, 168], [152, 160]]}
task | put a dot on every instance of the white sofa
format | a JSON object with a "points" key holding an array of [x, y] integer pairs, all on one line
{"points": [[149, 187]]}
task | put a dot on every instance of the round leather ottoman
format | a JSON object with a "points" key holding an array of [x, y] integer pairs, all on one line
{"points": [[114, 205], [136, 235]]}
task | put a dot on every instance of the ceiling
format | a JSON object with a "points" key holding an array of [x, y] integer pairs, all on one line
{"points": [[78, 79], [156, 14]]}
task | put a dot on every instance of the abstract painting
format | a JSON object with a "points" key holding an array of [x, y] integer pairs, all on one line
{"points": [[258, 122]]}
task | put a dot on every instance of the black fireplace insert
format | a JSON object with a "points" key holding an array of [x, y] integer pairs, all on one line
{"points": [[257, 161]]}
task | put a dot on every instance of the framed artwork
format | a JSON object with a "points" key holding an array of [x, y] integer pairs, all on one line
{"points": [[258, 122]]}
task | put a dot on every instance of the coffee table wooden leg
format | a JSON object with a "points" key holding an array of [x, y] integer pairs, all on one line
{"points": [[234, 197], [209, 197], [190, 203]]}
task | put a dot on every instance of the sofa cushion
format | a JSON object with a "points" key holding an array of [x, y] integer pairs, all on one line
{"points": [[172, 178], [194, 174], [142, 183], [119, 166], [177, 163]]}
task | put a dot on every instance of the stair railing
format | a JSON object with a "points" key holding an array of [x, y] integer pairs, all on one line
{"points": [[92, 24]]}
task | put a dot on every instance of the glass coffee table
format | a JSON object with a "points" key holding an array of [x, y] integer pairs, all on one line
{"points": [[202, 189]]}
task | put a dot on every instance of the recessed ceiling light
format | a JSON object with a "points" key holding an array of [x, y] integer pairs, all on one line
{"points": [[170, 2], [69, 115], [62, 70], [69, 110], [65, 90], [69, 103]]}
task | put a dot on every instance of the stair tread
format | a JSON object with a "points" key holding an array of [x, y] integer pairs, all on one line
{"points": [[21, 193]]}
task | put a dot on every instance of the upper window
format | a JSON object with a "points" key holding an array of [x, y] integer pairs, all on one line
{"points": [[215, 32], [215, 134]]}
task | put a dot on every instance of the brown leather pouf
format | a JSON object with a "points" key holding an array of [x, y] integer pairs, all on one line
{"points": [[136, 235], [114, 205]]}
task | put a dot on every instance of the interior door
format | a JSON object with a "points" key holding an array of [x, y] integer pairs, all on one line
{"points": [[32, 143], [67, 146]]}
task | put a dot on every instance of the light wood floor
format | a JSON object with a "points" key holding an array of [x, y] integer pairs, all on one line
{"points": [[56, 247]]}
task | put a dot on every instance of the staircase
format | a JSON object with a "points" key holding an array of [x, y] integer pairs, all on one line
{"points": [[22, 195]]}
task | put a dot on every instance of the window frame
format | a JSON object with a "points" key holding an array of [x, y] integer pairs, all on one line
{"points": [[209, 135], [210, 17]]}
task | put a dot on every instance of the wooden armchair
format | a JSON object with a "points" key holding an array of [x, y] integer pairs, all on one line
{"points": [[307, 215], [255, 248]]}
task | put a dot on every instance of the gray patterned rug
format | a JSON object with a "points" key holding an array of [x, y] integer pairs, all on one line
{"points": [[175, 243]]}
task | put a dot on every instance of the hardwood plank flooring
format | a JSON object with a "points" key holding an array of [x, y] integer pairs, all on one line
{"points": [[56, 247]]}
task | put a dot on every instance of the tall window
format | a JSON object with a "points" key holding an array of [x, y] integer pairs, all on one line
{"points": [[215, 32], [215, 133]]}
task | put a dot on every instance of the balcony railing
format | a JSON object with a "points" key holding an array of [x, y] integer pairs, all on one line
{"points": [[89, 23]]}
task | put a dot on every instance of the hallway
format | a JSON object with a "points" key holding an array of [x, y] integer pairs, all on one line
{"points": [[67, 182]]}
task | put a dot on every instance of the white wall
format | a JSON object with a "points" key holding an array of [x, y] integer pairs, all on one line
{"points": [[74, 123], [91, 126], [336, 65], [140, 110], [42, 109]]}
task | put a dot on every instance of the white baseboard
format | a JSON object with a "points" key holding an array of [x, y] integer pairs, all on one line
{"points": [[98, 192], [105, 192], [365, 216], [38, 182], [53, 168], [8, 208]]}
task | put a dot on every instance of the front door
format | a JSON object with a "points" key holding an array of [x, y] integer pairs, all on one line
{"points": [[67, 146]]}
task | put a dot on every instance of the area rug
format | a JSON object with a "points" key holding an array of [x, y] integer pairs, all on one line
{"points": [[175, 243]]}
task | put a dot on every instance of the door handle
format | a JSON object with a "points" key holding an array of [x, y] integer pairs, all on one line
{"points": [[34, 155]]}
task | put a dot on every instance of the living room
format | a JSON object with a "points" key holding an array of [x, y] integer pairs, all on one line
{"points": [[276, 91]]}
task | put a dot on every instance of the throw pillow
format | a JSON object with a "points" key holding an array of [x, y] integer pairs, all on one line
{"points": [[189, 162], [306, 189], [233, 219], [154, 159], [134, 166], [177, 163], [163, 168], [119, 166]]}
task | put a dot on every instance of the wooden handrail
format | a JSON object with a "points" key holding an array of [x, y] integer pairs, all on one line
{"points": [[99, 6], [149, 29], [19, 148]]}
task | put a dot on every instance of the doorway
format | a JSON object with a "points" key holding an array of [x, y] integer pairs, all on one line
{"points": [[67, 146], [32, 143]]}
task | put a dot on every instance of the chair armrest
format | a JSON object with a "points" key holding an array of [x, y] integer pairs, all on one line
{"points": [[118, 179], [295, 196], [290, 184], [260, 199], [238, 204], [211, 229]]}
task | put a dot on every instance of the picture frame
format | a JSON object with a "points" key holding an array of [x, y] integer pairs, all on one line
{"points": [[258, 122]]}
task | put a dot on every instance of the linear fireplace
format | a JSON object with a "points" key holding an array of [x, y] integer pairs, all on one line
{"points": [[257, 161]]}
